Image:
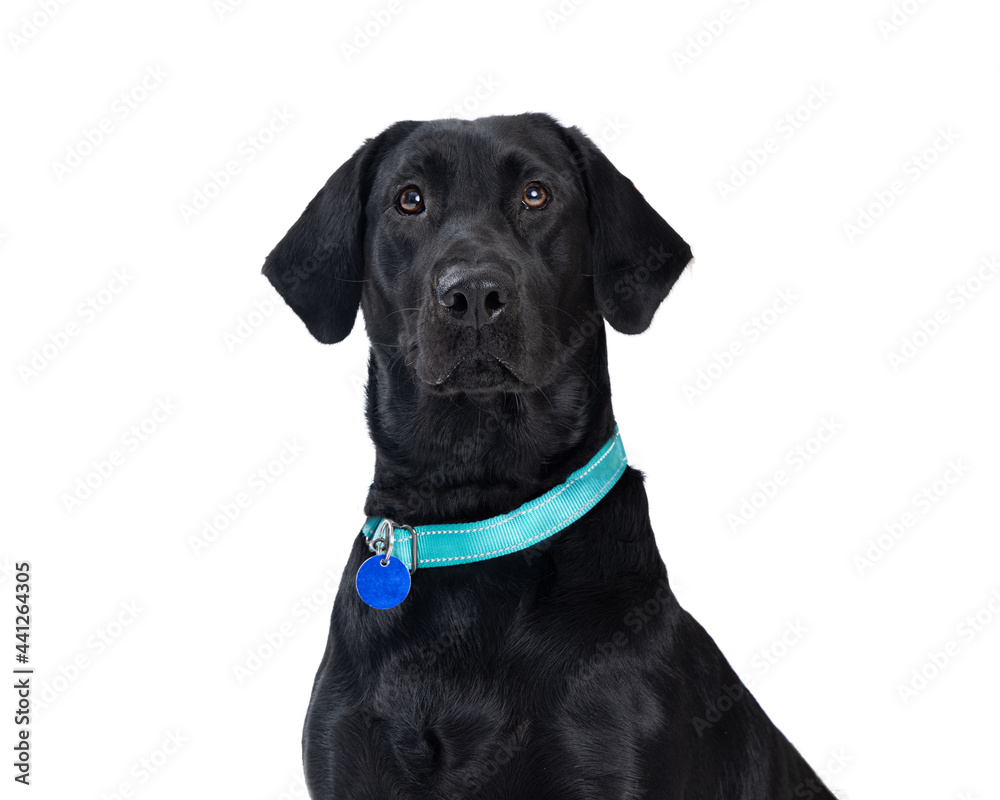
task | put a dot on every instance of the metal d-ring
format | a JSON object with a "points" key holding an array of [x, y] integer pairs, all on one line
{"points": [[386, 540]]}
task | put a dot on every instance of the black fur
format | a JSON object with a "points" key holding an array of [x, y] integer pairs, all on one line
{"points": [[567, 670]]}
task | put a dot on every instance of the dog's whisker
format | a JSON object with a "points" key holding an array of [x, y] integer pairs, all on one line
{"points": [[398, 311], [561, 310], [547, 400]]}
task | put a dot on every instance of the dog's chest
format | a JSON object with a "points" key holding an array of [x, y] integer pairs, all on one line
{"points": [[488, 699]]}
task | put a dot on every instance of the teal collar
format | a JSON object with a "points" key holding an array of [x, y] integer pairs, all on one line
{"points": [[535, 521]]}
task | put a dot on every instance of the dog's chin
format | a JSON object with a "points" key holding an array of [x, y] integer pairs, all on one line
{"points": [[477, 372]]}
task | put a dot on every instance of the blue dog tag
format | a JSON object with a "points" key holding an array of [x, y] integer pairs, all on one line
{"points": [[383, 586]]}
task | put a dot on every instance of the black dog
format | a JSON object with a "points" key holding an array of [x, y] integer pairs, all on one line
{"points": [[486, 257]]}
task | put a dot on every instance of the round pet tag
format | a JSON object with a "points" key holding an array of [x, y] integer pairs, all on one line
{"points": [[383, 586]]}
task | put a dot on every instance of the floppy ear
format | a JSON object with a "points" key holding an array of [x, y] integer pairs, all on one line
{"points": [[318, 268], [636, 256]]}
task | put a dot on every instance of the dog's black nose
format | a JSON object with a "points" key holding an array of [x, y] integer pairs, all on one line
{"points": [[474, 296]]}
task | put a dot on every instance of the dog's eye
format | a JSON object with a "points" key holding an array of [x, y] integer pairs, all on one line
{"points": [[410, 201], [534, 196]]}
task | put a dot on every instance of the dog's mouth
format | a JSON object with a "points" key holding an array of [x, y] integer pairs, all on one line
{"points": [[449, 359], [476, 371]]}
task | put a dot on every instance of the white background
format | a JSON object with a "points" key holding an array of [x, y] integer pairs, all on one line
{"points": [[188, 331]]}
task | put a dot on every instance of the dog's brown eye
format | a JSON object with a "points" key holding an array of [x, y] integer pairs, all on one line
{"points": [[534, 196], [410, 201]]}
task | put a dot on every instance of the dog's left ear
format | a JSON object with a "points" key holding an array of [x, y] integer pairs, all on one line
{"points": [[318, 267], [636, 255]]}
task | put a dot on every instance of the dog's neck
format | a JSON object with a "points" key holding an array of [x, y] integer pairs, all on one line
{"points": [[466, 457]]}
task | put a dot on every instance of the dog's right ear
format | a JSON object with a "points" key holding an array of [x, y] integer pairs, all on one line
{"points": [[318, 267]]}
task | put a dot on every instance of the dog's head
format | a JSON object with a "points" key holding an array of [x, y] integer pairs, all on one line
{"points": [[483, 252]]}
